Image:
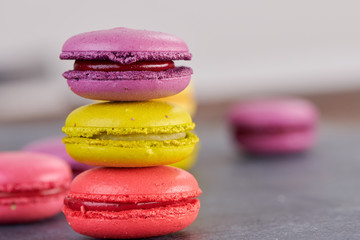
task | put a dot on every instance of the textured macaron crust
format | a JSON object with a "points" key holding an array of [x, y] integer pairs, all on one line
{"points": [[132, 202], [126, 46], [132, 134], [32, 186], [128, 85], [274, 126], [55, 146]]}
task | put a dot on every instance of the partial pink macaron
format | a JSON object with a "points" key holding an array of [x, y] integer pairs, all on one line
{"points": [[126, 47], [132, 203], [274, 126], [55, 146], [32, 186]]}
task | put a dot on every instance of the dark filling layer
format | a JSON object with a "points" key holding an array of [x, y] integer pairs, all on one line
{"points": [[77, 204], [36, 193], [244, 131], [107, 66]]}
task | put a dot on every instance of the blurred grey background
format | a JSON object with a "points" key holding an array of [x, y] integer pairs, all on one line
{"points": [[240, 48]]}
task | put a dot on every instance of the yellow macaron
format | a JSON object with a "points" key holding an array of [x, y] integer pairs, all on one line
{"points": [[189, 161], [185, 99], [129, 134]]}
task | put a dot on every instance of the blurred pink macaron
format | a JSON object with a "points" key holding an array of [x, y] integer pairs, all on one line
{"points": [[274, 126], [32, 186], [56, 147]]}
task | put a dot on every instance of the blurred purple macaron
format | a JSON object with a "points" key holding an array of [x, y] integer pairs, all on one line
{"points": [[274, 126], [56, 147]]}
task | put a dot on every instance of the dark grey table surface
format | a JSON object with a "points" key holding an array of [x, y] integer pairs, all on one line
{"points": [[307, 196]]}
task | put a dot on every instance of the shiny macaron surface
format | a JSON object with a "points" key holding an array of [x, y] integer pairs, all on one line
{"points": [[124, 40]]}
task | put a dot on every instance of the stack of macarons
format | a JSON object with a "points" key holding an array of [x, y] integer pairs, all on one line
{"points": [[132, 194]]}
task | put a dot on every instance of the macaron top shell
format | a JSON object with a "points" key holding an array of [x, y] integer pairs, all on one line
{"points": [[25, 171], [274, 113], [98, 45], [158, 184], [128, 118]]}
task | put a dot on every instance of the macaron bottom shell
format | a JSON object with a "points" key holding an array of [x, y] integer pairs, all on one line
{"points": [[31, 209], [189, 161], [290, 142], [133, 223], [120, 156], [128, 90]]}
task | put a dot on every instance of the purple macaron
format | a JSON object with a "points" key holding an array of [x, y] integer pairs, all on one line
{"points": [[274, 126], [56, 147], [124, 64]]}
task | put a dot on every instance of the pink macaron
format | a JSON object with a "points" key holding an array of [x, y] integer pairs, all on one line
{"points": [[32, 186], [274, 126], [132, 203], [55, 146], [122, 64]]}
